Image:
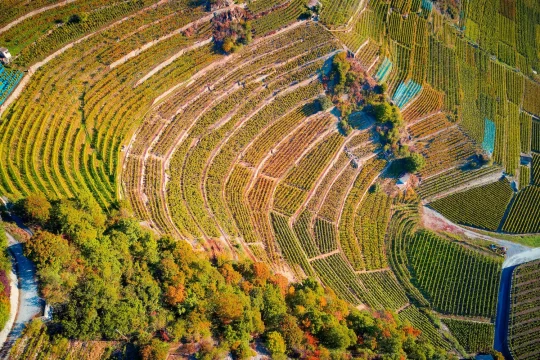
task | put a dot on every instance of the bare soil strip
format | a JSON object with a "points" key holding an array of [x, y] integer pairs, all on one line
{"points": [[33, 13]]}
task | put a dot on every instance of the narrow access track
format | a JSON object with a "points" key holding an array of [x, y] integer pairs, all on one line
{"points": [[33, 13]]}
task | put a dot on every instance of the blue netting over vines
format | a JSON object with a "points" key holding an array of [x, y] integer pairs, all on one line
{"points": [[489, 136], [427, 5], [8, 81], [405, 92], [384, 70]]}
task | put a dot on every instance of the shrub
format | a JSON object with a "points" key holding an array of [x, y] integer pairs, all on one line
{"points": [[324, 102], [37, 208], [414, 162], [155, 350], [276, 345]]}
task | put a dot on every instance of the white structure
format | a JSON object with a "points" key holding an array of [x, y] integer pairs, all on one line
{"points": [[5, 56], [403, 181]]}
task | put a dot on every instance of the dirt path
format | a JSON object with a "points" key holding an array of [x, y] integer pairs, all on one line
{"points": [[323, 256], [478, 320], [373, 271], [322, 176], [403, 308], [416, 121], [522, 258], [435, 221], [372, 65], [348, 27], [172, 59], [34, 12], [147, 46], [33, 68], [483, 180]]}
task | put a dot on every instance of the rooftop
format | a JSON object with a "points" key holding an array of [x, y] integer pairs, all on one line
{"points": [[404, 178]]}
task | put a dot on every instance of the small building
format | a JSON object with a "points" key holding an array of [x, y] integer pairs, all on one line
{"points": [[403, 181], [5, 56]]}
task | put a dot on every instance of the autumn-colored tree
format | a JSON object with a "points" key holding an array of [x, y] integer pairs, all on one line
{"points": [[48, 250], [155, 350], [37, 208], [228, 45], [281, 282], [228, 307], [231, 276], [175, 294], [261, 273], [291, 332]]}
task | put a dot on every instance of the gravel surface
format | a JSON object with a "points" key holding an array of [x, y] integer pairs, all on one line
{"points": [[435, 221]]}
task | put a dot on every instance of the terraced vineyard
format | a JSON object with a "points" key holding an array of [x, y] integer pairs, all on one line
{"points": [[524, 311], [456, 280], [482, 206], [474, 336], [233, 126]]}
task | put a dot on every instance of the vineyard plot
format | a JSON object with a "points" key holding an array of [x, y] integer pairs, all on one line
{"points": [[524, 327], [456, 279], [483, 206]]}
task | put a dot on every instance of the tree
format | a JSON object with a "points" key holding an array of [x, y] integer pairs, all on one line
{"points": [[274, 306], [155, 350], [37, 208], [415, 162], [232, 277], [386, 113], [48, 250], [276, 345], [340, 68], [228, 45], [228, 307], [382, 112], [337, 336], [324, 102], [261, 273], [74, 19], [345, 127], [175, 294], [292, 333]]}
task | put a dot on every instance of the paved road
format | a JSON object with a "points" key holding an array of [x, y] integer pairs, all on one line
{"points": [[30, 304], [503, 303], [503, 313]]}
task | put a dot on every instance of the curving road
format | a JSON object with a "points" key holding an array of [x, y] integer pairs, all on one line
{"points": [[516, 254], [503, 303]]}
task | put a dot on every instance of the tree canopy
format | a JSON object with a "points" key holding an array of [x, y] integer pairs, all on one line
{"points": [[109, 278]]}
